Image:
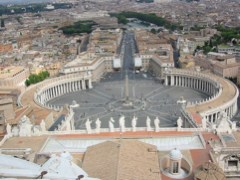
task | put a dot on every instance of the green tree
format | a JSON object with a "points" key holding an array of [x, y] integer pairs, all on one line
{"points": [[122, 19], [35, 78], [153, 31], [149, 18], [79, 27]]}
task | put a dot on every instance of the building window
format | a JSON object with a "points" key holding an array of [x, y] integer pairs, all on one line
{"points": [[175, 167]]}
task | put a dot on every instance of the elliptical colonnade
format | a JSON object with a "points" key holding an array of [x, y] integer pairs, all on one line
{"points": [[55, 87], [208, 84]]}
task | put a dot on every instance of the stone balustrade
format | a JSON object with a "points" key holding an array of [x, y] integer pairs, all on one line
{"points": [[127, 129]]}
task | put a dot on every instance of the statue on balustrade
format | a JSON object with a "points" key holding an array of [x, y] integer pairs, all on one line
{"points": [[111, 124], [134, 123], [36, 130], [25, 126], [9, 130], [204, 123], [88, 126], [122, 123], [222, 116], [179, 123], [148, 124], [224, 124], [59, 127], [68, 125], [43, 125], [156, 124], [98, 125]]}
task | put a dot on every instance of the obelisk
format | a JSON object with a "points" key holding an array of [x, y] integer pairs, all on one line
{"points": [[126, 88]]}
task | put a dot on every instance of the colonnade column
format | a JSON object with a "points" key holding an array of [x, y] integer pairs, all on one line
{"points": [[73, 86], [231, 110], [64, 88], [48, 94], [90, 83], [207, 87], [235, 107], [60, 89], [79, 85], [56, 89], [83, 84], [189, 82], [51, 93], [211, 118], [166, 80]]}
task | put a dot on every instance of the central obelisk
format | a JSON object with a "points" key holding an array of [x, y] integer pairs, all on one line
{"points": [[126, 88]]}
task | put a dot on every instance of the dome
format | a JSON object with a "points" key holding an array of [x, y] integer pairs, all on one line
{"points": [[175, 154]]}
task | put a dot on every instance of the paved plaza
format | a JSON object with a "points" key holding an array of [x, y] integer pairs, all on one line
{"points": [[106, 97]]}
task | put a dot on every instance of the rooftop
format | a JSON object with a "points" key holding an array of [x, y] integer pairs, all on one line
{"points": [[128, 159], [10, 71]]}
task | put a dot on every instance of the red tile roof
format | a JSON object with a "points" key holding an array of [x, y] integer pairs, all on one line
{"points": [[197, 118]]}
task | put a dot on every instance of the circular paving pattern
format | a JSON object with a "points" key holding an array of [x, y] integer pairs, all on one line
{"points": [[147, 97]]}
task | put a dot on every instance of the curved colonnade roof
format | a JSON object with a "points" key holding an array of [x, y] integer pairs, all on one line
{"points": [[39, 112], [228, 93]]}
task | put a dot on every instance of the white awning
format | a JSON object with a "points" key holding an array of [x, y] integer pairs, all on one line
{"points": [[138, 62], [116, 63]]}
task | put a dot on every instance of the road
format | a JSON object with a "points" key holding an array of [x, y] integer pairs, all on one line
{"points": [[128, 55]]}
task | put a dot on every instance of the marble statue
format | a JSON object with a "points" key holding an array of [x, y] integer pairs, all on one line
{"points": [[68, 125], [122, 123], [98, 125], [43, 126], [179, 123], [222, 116], [224, 124], [9, 129], [15, 131], [204, 123], [36, 130], [148, 124], [214, 127], [59, 127], [223, 127], [234, 126], [88, 126], [156, 124], [111, 124], [74, 104], [134, 123], [25, 127], [181, 100]]}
